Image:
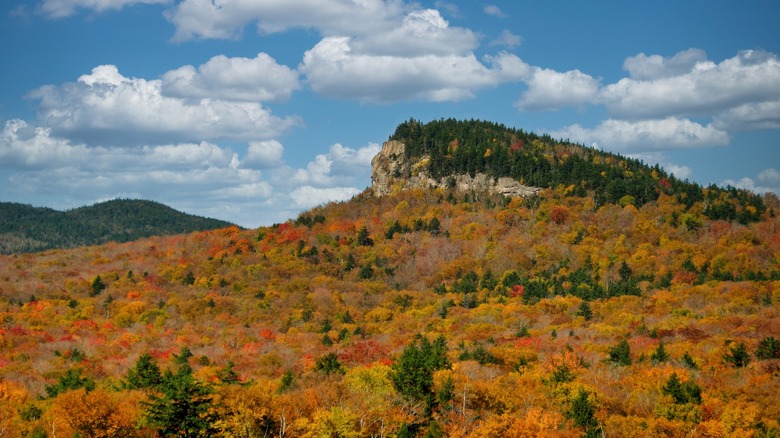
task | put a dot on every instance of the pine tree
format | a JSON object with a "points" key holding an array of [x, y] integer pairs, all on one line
{"points": [[621, 353], [144, 375], [182, 406]]}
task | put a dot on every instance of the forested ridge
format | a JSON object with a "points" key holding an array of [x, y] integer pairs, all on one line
{"points": [[425, 313], [24, 228], [476, 146]]}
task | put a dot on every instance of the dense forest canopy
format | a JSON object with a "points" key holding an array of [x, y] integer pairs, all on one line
{"points": [[475, 146], [24, 228]]}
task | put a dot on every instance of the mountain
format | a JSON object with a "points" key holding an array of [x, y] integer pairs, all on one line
{"points": [[427, 310], [24, 228]]}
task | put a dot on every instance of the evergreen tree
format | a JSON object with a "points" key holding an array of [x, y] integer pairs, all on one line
{"points": [[620, 354], [585, 311], [72, 379], [659, 355], [737, 355], [582, 412], [145, 374], [412, 373], [181, 406], [97, 286]]}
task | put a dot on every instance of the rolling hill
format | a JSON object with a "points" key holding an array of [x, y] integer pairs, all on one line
{"points": [[24, 228]]}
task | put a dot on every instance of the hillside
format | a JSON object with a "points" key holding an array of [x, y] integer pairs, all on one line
{"points": [[24, 228], [422, 312]]}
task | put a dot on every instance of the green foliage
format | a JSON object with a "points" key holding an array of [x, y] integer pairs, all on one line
{"points": [[181, 406], [620, 354], [461, 147], [585, 311], [28, 229], [737, 355], [480, 354], [145, 374], [688, 361], [72, 379], [227, 375], [768, 348], [582, 411], [287, 382], [97, 286], [363, 237], [682, 392], [329, 364], [412, 373], [659, 355]]}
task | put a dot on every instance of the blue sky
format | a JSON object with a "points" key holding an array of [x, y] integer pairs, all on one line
{"points": [[254, 110]]}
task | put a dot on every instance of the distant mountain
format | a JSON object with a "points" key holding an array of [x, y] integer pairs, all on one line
{"points": [[24, 228]]}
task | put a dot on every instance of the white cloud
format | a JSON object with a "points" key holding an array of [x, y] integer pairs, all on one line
{"points": [[507, 39], [201, 178], [653, 158], [258, 79], [494, 11], [64, 8], [549, 89], [688, 85], [226, 19], [645, 135], [766, 181], [642, 67], [334, 71], [264, 154], [421, 32], [750, 116], [306, 197], [105, 107]]}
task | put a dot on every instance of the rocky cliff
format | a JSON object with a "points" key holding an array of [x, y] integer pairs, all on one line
{"points": [[391, 170]]}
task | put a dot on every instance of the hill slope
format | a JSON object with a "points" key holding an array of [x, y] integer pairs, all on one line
{"points": [[24, 228], [423, 311]]}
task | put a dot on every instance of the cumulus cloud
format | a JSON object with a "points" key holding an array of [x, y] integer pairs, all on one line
{"points": [[766, 181], [258, 79], [549, 89], [226, 19], [106, 107], [750, 116], [334, 71], [203, 178], [645, 135], [64, 8], [264, 154], [643, 68], [421, 32], [687, 84], [507, 39], [306, 197], [663, 160]]}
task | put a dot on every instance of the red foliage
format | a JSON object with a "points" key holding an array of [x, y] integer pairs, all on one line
{"points": [[84, 324], [517, 146], [517, 291], [559, 214], [267, 334]]}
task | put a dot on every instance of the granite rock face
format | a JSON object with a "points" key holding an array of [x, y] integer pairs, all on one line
{"points": [[391, 171]]}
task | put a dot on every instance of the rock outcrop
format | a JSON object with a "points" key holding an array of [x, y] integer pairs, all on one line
{"points": [[391, 171]]}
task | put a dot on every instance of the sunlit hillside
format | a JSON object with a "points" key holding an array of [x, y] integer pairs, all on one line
{"points": [[425, 313]]}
